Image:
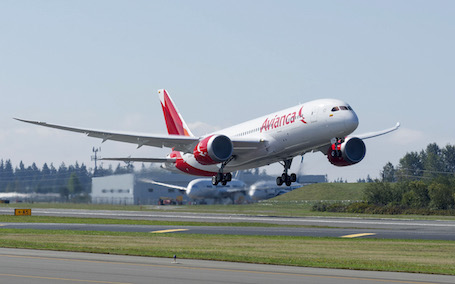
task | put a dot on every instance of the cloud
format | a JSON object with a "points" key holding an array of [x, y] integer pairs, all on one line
{"points": [[202, 128], [406, 136]]}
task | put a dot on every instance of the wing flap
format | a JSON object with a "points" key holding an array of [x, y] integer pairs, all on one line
{"points": [[242, 145]]}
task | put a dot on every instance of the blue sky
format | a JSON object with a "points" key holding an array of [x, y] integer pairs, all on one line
{"points": [[98, 64]]}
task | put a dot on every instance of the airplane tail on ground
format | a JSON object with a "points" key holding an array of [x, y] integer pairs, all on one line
{"points": [[174, 121]]}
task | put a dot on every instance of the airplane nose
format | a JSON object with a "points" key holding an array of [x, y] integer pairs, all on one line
{"points": [[352, 122]]}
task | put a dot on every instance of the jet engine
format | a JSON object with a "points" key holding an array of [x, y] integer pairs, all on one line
{"points": [[347, 152], [213, 149]]}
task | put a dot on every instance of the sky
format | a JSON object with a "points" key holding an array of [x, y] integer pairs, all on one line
{"points": [[99, 64]]}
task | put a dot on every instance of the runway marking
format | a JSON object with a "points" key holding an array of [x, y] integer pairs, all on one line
{"points": [[61, 279], [357, 235], [217, 269], [169, 231]]}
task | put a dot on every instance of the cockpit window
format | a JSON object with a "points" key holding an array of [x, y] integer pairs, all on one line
{"points": [[349, 107], [343, 107], [335, 109]]}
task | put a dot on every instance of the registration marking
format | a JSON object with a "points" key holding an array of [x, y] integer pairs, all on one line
{"points": [[358, 235], [169, 231]]}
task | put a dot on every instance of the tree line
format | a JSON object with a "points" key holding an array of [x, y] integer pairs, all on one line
{"points": [[422, 183], [64, 180]]}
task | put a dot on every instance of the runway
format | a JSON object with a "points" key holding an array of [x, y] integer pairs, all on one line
{"points": [[422, 233], [314, 226], [44, 267]]}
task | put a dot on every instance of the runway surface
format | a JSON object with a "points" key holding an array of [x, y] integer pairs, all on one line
{"points": [[315, 226], [47, 267], [422, 233]]}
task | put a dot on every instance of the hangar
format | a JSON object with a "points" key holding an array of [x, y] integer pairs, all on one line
{"points": [[129, 189]]}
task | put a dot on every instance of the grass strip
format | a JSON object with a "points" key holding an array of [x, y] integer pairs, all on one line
{"points": [[75, 220], [420, 256], [273, 207]]}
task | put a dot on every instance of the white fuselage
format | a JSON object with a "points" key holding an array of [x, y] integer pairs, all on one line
{"points": [[204, 189], [286, 134]]}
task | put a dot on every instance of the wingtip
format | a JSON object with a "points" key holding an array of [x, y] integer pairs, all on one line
{"points": [[29, 121]]}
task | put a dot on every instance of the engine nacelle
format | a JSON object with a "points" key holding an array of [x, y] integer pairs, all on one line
{"points": [[350, 152], [213, 150]]}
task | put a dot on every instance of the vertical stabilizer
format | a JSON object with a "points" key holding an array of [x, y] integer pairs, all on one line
{"points": [[174, 121]]}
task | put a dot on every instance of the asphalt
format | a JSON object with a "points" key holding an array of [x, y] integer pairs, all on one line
{"points": [[19, 266], [313, 226]]}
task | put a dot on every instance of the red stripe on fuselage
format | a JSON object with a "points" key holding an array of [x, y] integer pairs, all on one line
{"points": [[183, 166]]}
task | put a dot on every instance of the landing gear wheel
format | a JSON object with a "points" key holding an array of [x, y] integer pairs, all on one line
{"points": [[223, 178], [279, 181], [293, 177], [214, 180], [285, 178]]}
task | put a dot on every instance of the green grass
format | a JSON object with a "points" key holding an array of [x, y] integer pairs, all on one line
{"points": [[325, 191], [366, 254], [296, 203], [74, 220]]}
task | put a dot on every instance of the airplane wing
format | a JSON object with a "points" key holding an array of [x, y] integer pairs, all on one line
{"points": [[179, 143], [147, 180], [377, 133], [323, 148], [244, 145]]}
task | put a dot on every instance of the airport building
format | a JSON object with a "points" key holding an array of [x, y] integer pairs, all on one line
{"points": [[133, 188], [130, 189]]}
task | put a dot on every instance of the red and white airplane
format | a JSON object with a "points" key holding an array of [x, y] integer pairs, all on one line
{"points": [[321, 125]]}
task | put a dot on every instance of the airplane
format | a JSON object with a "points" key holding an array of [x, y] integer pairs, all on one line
{"points": [[202, 188], [323, 125], [267, 189]]}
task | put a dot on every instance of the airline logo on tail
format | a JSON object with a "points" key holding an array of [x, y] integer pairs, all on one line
{"points": [[174, 121]]}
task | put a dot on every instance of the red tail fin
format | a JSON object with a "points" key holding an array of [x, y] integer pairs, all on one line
{"points": [[174, 121]]}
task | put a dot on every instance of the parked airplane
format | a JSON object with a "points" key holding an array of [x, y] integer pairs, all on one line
{"points": [[202, 188], [267, 189], [321, 125]]}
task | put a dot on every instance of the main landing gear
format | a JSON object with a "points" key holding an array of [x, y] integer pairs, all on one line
{"points": [[285, 178], [220, 176], [223, 178]]}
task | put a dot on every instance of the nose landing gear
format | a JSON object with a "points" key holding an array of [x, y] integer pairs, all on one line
{"points": [[285, 178]]}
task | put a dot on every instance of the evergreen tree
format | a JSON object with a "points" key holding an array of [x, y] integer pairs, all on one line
{"points": [[432, 161], [388, 173], [74, 185], [448, 158], [410, 166]]}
